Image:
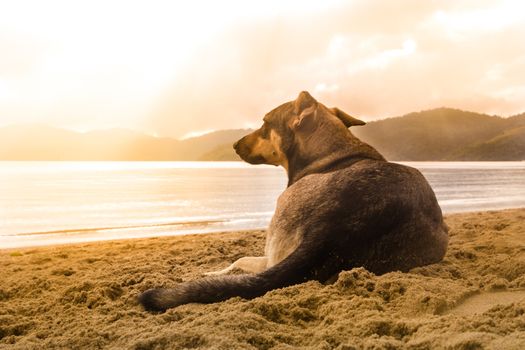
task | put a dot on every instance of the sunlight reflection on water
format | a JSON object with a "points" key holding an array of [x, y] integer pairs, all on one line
{"points": [[91, 201]]}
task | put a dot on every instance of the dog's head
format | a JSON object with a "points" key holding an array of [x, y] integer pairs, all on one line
{"points": [[289, 127]]}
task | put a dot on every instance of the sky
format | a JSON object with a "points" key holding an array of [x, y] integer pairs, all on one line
{"points": [[182, 68]]}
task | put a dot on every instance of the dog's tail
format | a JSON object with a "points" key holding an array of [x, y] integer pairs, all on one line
{"points": [[298, 267]]}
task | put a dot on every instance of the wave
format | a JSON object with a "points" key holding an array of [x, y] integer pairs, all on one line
{"points": [[98, 229]]}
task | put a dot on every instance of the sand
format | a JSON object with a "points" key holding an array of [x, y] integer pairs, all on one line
{"points": [[84, 296]]}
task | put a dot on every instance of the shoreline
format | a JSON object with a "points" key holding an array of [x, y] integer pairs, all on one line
{"points": [[84, 296], [198, 231], [126, 239], [95, 240], [110, 228]]}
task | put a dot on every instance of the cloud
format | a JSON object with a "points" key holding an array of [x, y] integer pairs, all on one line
{"points": [[374, 59], [192, 70]]}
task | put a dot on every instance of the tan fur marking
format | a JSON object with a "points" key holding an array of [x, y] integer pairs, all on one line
{"points": [[271, 150], [250, 264], [280, 244]]}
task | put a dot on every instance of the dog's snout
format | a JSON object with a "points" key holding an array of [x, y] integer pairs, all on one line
{"points": [[236, 144]]}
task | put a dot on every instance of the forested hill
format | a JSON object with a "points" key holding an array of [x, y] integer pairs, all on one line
{"points": [[435, 135], [432, 135], [447, 134]]}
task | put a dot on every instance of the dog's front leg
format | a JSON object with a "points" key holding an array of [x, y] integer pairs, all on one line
{"points": [[250, 264]]}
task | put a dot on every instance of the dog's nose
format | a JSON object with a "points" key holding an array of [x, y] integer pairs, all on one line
{"points": [[236, 144]]}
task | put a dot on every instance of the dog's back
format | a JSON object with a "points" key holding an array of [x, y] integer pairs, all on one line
{"points": [[383, 216]]}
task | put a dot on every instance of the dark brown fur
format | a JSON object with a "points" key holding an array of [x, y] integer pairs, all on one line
{"points": [[345, 206]]}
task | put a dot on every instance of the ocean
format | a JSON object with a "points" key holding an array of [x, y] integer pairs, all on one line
{"points": [[44, 203]]}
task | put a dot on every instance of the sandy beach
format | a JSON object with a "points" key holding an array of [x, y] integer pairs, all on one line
{"points": [[84, 296]]}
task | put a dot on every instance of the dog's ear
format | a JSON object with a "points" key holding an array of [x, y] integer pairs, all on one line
{"points": [[304, 101], [305, 108], [304, 120], [347, 119]]}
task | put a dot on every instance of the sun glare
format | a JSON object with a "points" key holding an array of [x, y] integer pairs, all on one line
{"points": [[137, 65]]}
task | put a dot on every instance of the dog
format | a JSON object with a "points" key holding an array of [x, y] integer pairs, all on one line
{"points": [[345, 206]]}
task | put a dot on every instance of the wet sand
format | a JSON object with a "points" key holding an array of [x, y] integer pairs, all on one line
{"points": [[84, 296]]}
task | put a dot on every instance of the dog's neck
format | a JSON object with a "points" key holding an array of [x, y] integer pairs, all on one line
{"points": [[328, 149]]}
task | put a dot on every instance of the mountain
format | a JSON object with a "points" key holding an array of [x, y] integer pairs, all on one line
{"points": [[509, 145], [447, 134], [437, 134], [40, 142], [223, 152], [517, 120], [202, 145], [432, 135]]}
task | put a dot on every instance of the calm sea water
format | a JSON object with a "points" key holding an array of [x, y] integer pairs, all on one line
{"points": [[64, 202]]}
